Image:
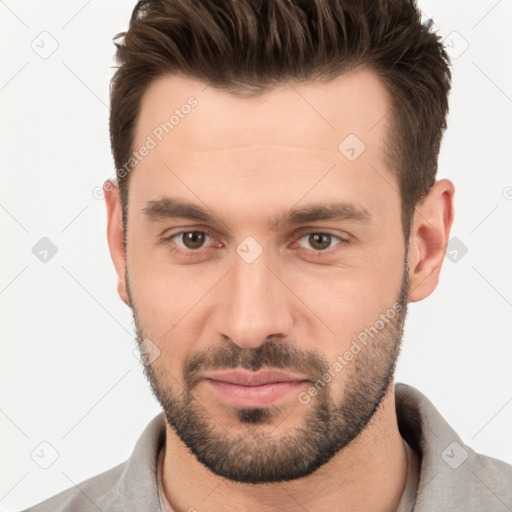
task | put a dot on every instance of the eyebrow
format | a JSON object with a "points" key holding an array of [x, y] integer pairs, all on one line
{"points": [[169, 208]]}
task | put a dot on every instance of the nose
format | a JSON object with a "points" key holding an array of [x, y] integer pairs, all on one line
{"points": [[254, 305]]}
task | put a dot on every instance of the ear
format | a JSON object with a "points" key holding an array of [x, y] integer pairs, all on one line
{"points": [[427, 244], [115, 235]]}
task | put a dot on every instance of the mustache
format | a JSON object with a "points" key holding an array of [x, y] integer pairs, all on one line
{"points": [[270, 354]]}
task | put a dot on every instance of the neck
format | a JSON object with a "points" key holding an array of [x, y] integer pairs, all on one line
{"points": [[368, 474]]}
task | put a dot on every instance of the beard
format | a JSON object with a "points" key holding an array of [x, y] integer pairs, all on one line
{"points": [[257, 455]]}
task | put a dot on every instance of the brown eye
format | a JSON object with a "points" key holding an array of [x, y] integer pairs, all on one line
{"points": [[192, 239], [319, 241]]}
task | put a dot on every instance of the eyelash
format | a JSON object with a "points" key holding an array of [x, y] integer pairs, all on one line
{"points": [[316, 253]]}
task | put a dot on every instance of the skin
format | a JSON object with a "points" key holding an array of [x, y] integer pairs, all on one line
{"points": [[250, 160]]}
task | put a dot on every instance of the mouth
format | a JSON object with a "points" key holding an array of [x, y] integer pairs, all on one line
{"points": [[241, 388]]}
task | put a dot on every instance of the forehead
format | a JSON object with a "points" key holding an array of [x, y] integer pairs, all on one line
{"points": [[284, 141], [311, 114]]}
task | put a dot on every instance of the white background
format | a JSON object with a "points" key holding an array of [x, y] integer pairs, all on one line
{"points": [[69, 375]]}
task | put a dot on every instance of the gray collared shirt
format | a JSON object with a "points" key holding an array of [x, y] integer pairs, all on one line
{"points": [[452, 475]]}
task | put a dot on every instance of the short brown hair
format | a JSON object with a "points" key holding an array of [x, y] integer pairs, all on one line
{"points": [[246, 46]]}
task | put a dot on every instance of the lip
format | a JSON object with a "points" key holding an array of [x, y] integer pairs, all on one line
{"points": [[247, 378], [253, 389]]}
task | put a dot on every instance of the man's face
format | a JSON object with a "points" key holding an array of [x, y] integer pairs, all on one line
{"points": [[277, 333]]}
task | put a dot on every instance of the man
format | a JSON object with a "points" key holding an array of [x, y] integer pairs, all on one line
{"points": [[274, 212]]}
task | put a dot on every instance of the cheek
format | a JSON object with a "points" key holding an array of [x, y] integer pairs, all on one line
{"points": [[167, 300], [343, 302], [157, 286]]}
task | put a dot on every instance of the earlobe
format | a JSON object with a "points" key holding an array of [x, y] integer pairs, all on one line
{"points": [[431, 230], [115, 235]]}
